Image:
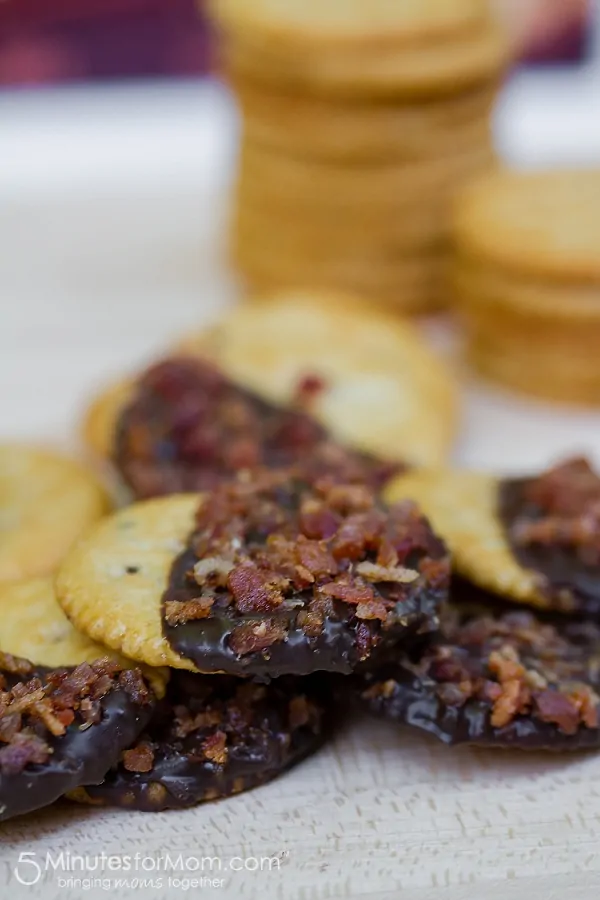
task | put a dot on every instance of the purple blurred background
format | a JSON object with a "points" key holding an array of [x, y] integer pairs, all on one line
{"points": [[45, 41]]}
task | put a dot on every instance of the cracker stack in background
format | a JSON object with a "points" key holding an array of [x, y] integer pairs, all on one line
{"points": [[527, 279], [359, 121]]}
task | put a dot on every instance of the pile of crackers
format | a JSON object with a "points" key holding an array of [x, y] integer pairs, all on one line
{"points": [[527, 281], [284, 550], [359, 121]]}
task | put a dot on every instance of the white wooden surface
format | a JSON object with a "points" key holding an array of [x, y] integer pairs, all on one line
{"points": [[112, 209]]}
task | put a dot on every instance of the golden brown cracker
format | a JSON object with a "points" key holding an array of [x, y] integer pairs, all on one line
{"points": [[395, 183], [389, 393], [386, 392], [461, 506], [379, 69], [100, 417], [542, 373], [488, 286], [331, 23], [111, 583], [33, 626], [46, 500], [310, 126], [543, 223]]}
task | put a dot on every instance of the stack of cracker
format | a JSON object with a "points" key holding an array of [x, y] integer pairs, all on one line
{"points": [[527, 279], [359, 120]]}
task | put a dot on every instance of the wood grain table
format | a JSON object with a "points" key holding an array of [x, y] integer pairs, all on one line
{"points": [[110, 233]]}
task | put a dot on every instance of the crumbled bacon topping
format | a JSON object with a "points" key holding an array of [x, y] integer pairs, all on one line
{"points": [[139, 758], [296, 555], [252, 637], [519, 666], [189, 428], [562, 508], [34, 712], [178, 611], [215, 748]]}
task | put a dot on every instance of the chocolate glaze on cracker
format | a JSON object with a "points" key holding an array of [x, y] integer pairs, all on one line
{"points": [[552, 523], [61, 728], [501, 678], [189, 427], [282, 577], [211, 737]]}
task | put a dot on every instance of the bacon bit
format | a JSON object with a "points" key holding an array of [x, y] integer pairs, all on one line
{"points": [[251, 637], [45, 713], [315, 557], [178, 612], [372, 609], [566, 489], [357, 534], [514, 699], [568, 498], [299, 712], [186, 723], [366, 640], [552, 706], [139, 759], [396, 574], [348, 592], [25, 702], [9, 726], [309, 387], [91, 711], [448, 669], [15, 665], [586, 700], [387, 555], [253, 590], [311, 621], [25, 748], [505, 664], [214, 748], [206, 569], [134, 684], [436, 572], [317, 521], [350, 498]]}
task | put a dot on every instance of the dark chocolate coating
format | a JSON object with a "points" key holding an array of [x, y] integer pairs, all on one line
{"points": [[80, 756], [188, 428], [206, 641], [413, 697], [569, 584], [258, 750]]}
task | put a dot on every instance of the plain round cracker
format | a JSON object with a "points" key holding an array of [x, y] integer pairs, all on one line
{"points": [[33, 626], [461, 506], [396, 184], [384, 69], [490, 287], [330, 23], [406, 289], [390, 394], [385, 391], [310, 126], [552, 377], [97, 429], [544, 223], [46, 501], [111, 583]]}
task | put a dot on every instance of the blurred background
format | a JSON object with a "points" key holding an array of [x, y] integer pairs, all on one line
{"points": [[66, 41], [118, 150]]}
